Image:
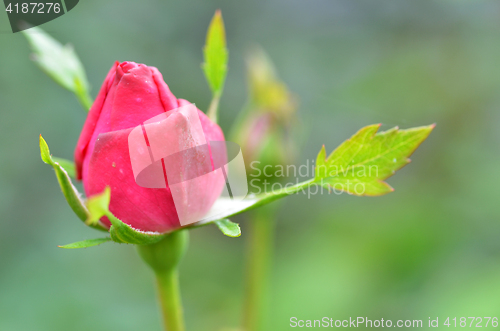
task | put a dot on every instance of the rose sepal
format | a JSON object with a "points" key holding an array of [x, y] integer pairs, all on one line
{"points": [[86, 243], [98, 206], [68, 189]]}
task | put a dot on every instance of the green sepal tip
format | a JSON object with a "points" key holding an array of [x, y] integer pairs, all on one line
{"points": [[86, 243]]}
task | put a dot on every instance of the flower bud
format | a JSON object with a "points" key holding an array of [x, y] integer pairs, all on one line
{"points": [[264, 130], [131, 95]]}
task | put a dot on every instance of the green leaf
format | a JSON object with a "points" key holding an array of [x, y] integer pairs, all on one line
{"points": [[360, 165], [215, 65], [98, 206], [216, 54], [384, 152], [59, 62], [229, 228], [86, 243], [70, 192]]}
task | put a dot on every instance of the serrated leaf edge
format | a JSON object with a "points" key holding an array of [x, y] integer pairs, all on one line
{"points": [[372, 130]]}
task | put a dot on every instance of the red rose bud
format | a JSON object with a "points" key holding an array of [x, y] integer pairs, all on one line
{"points": [[131, 142]]}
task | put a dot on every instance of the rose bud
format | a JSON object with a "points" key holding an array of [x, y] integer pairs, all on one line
{"points": [[264, 130], [131, 95]]}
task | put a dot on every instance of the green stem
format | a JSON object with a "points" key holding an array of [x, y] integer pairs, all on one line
{"points": [[82, 94], [170, 299], [259, 254], [85, 100], [212, 112], [164, 257]]}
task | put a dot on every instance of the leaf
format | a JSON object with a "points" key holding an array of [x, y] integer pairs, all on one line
{"points": [[70, 192], [216, 54], [229, 228], [215, 65], [98, 206], [86, 243], [59, 62], [360, 164], [388, 151]]}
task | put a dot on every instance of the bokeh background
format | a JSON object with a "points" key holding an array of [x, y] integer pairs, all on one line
{"points": [[430, 249]]}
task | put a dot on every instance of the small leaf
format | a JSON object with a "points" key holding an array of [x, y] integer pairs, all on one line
{"points": [[360, 164], [69, 190], [216, 54], [98, 206], [86, 243], [229, 228], [44, 151], [59, 62]]}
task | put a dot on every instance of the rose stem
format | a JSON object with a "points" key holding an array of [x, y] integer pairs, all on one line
{"points": [[164, 257], [170, 299], [259, 254]]}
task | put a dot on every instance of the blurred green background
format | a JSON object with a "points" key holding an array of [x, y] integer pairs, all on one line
{"points": [[429, 249]]}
